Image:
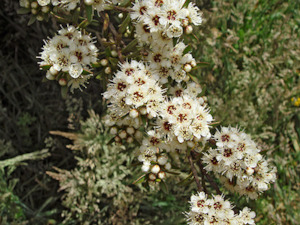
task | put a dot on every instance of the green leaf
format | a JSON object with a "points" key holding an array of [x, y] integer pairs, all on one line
{"points": [[131, 46], [89, 12], [23, 11], [187, 49], [185, 180], [64, 92], [31, 20], [124, 24], [164, 187], [140, 179], [86, 72], [46, 67]]}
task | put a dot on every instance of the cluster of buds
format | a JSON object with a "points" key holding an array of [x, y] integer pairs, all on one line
{"points": [[238, 159], [38, 8], [69, 56], [216, 210]]}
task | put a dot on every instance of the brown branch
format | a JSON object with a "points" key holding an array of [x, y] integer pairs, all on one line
{"points": [[122, 9], [209, 178], [190, 158], [118, 38]]}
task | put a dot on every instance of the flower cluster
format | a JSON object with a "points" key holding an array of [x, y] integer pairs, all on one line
{"points": [[167, 16], [216, 210], [134, 89], [238, 159], [158, 22], [185, 118], [67, 55]]}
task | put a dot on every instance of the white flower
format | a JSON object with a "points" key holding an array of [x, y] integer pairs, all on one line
{"points": [[75, 70], [43, 2]]}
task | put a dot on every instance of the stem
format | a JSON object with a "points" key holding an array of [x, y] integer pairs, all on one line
{"points": [[209, 178], [190, 158], [122, 9]]}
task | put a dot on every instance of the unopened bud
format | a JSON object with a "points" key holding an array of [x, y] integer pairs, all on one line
{"points": [[162, 160], [107, 70], [49, 76], [191, 144], [53, 71], [187, 67], [185, 22], [149, 116], [193, 63], [113, 130], [45, 9], [62, 82], [121, 15], [145, 167], [155, 169], [123, 134], [34, 5], [34, 11], [138, 134], [126, 35], [104, 62], [161, 175], [88, 2], [130, 130], [152, 176], [189, 29], [133, 113], [168, 166], [117, 139], [143, 110], [129, 140], [114, 53]]}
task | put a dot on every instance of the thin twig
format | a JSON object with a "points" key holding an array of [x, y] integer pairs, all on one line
{"points": [[122, 9], [210, 180], [190, 158]]}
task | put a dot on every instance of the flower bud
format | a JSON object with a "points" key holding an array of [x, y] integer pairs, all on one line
{"points": [[161, 175], [123, 134], [145, 167], [126, 35], [143, 110], [191, 144], [193, 63], [34, 11], [107, 70], [155, 169], [121, 15], [34, 5], [152, 176], [49, 76], [117, 139], [189, 29], [113, 130], [168, 166], [53, 71], [45, 9], [138, 134], [162, 160], [129, 140], [88, 2], [130, 130], [187, 68], [62, 82], [185, 22], [149, 116], [133, 113], [114, 53], [104, 62]]}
